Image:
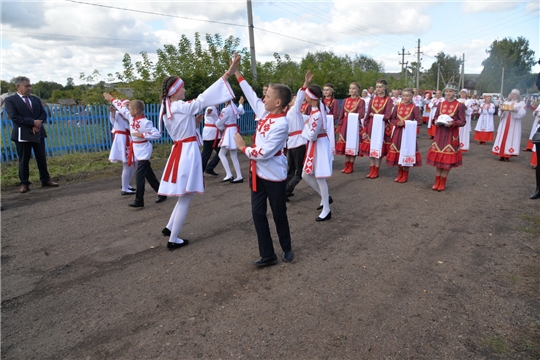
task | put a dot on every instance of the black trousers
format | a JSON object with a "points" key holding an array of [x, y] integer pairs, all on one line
{"points": [[295, 159], [144, 171], [208, 147], [275, 193], [24, 151]]}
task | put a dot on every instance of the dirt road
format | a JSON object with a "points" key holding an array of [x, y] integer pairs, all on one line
{"points": [[400, 272]]}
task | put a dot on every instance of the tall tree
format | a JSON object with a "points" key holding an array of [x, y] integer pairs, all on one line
{"points": [[515, 57], [449, 67], [44, 89]]}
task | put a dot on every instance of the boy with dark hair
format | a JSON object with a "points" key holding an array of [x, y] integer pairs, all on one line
{"points": [[268, 169], [140, 150]]}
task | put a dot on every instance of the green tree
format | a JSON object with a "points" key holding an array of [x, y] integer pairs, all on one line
{"points": [[449, 66], [44, 89], [515, 57], [7, 86]]}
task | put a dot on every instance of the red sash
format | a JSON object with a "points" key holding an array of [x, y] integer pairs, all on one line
{"points": [[308, 162], [174, 159], [253, 172], [131, 153], [294, 133], [217, 134]]}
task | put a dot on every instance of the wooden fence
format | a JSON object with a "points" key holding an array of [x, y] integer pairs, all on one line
{"points": [[72, 129]]}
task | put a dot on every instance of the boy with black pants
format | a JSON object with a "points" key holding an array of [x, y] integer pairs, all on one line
{"points": [[268, 169], [140, 150]]}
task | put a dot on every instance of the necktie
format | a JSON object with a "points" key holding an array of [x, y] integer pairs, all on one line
{"points": [[27, 102]]}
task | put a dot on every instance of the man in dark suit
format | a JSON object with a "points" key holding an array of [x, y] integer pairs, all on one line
{"points": [[26, 110]]}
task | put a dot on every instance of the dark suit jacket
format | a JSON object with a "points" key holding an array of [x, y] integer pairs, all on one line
{"points": [[21, 115]]}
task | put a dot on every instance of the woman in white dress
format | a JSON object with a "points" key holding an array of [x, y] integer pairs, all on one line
{"points": [[228, 123], [508, 140], [120, 147], [183, 176]]}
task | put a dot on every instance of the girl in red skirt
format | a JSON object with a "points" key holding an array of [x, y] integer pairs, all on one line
{"points": [[444, 152]]}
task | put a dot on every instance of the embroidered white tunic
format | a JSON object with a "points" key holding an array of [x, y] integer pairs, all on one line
{"points": [[296, 123], [509, 131], [485, 119], [142, 148], [229, 118], [121, 140], [183, 171], [210, 129], [318, 153], [271, 136]]}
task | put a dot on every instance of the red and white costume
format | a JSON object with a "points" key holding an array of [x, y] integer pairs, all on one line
{"points": [[383, 106], [402, 112], [536, 121], [350, 106], [465, 131], [210, 129], [183, 171], [433, 104], [444, 151], [484, 127], [122, 138], [508, 140]]}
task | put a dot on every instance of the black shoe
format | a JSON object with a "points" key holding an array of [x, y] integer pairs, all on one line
{"points": [[136, 204], [288, 256], [166, 232], [160, 199], [237, 181], [266, 261], [211, 172], [128, 192], [131, 189], [290, 194], [536, 194], [330, 201], [227, 180], [328, 217], [173, 246]]}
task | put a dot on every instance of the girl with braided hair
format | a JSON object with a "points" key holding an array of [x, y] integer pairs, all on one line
{"points": [[183, 176]]}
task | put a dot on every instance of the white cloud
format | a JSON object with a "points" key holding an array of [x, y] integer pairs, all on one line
{"points": [[471, 7]]}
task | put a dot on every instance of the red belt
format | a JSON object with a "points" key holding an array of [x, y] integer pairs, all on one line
{"points": [[309, 159], [131, 154], [253, 172], [128, 139], [174, 159], [217, 133], [294, 133]]}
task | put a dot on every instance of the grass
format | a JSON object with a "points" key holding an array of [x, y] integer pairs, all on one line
{"points": [[497, 344], [79, 166], [534, 228]]}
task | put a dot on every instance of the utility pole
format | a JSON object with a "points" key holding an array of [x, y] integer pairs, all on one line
{"points": [[403, 58], [251, 41], [418, 68], [438, 73], [502, 81], [462, 77]]}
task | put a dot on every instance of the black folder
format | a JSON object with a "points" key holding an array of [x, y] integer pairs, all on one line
{"points": [[26, 135]]}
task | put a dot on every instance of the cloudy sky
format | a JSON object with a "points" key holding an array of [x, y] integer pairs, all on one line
{"points": [[54, 40]]}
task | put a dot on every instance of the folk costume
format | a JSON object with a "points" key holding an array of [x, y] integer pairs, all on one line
{"points": [[483, 132], [536, 114], [427, 109], [296, 145], [444, 152], [228, 123], [211, 137], [140, 150], [465, 131], [401, 115], [318, 161], [120, 148], [349, 123], [434, 104], [268, 172], [183, 176], [333, 106], [508, 140], [379, 105]]}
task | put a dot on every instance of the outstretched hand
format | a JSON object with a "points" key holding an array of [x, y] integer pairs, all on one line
{"points": [[308, 78], [234, 63], [108, 96], [241, 101]]}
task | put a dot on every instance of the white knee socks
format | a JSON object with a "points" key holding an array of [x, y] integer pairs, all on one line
{"points": [[178, 216], [223, 157], [127, 173], [321, 187]]}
